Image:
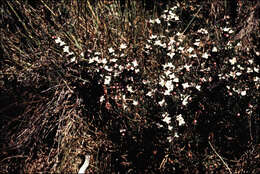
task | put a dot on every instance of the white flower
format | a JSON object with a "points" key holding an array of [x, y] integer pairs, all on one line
{"points": [[162, 82], [171, 54], [73, 59], [226, 29], [176, 135], [123, 46], [197, 43], [157, 21], [151, 21], [97, 53], [149, 93], [203, 31], [190, 50], [158, 42], [198, 87], [256, 69], [232, 61], [107, 80], [113, 60], [91, 60], [180, 120], [161, 103], [59, 41], [176, 80], [167, 92], [185, 85], [251, 61], [180, 48], [102, 98], [214, 49], [187, 67], [82, 54], [109, 69], [135, 102], [167, 72], [111, 50], [66, 49], [243, 93], [205, 55], [249, 70], [153, 37], [135, 64], [169, 85], [168, 65], [185, 100], [104, 61], [230, 31], [238, 74], [166, 118], [130, 88]]}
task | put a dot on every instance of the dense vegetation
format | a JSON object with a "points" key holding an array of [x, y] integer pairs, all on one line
{"points": [[139, 87]]}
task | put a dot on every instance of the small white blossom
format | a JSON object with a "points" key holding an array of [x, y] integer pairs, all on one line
{"points": [[135, 102], [190, 50], [169, 85], [102, 98], [180, 119], [238, 74], [59, 41], [205, 55], [197, 42], [243, 93], [185, 85], [153, 36], [123, 46], [158, 42], [166, 118], [111, 50], [135, 63], [233, 61], [151, 21], [109, 69], [198, 87], [107, 80], [249, 70], [185, 100], [104, 61], [130, 88], [226, 29], [161, 103], [73, 59], [66, 49], [187, 67], [82, 54], [149, 93], [214, 49], [157, 21], [113, 60], [162, 82]]}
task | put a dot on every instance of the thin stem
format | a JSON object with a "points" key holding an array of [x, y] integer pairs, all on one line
{"points": [[220, 158]]}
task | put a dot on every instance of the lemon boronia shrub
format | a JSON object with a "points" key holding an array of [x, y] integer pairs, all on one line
{"points": [[194, 91]]}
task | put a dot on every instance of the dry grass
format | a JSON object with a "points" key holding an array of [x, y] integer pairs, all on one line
{"points": [[51, 114]]}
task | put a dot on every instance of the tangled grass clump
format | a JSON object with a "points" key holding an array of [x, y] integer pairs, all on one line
{"points": [[171, 90]]}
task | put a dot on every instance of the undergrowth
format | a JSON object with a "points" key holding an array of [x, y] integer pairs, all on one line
{"points": [[168, 88]]}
